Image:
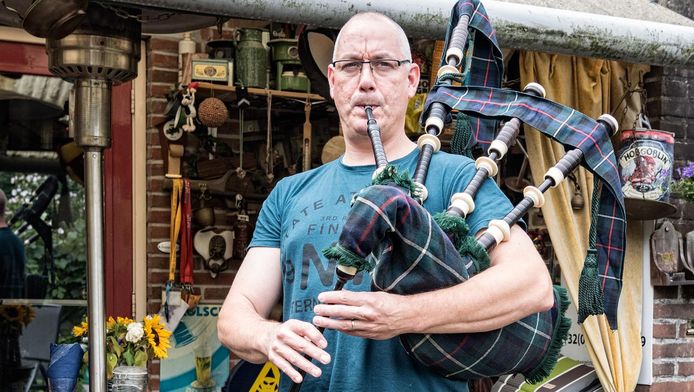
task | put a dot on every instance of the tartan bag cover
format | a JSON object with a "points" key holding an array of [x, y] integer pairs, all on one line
{"points": [[574, 130], [485, 104], [415, 255]]}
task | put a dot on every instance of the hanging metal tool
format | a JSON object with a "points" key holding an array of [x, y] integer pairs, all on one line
{"points": [[269, 150], [307, 136]]}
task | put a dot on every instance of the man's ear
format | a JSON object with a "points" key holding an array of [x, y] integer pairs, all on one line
{"points": [[413, 80], [331, 80]]}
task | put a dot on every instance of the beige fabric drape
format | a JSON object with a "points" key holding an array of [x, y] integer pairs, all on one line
{"points": [[593, 87]]}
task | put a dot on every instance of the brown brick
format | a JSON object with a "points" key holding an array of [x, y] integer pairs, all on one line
{"points": [[154, 152], [156, 183], [158, 200], [157, 106], [157, 90], [665, 331], [685, 368], [163, 60], [223, 279], [665, 292], [672, 386], [153, 137], [164, 76], [158, 216], [212, 293], [159, 44], [663, 369], [154, 120], [673, 311], [688, 291], [157, 232], [673, 350], [157, 260]]}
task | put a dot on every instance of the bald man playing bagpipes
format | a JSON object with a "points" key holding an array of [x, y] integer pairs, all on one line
{"points": [[356, 224]]}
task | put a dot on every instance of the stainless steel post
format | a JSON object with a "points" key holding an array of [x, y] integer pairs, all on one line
{"points": [[92, 121], [95, 269]]}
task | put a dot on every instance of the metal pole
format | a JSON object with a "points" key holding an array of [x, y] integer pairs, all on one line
{"points": [[92, 125], [95, 269]]}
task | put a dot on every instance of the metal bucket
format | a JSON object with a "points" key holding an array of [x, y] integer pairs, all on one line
{"points": [[645, 163]]}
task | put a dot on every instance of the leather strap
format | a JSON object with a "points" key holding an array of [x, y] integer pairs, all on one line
{"points": [[186, 237], [175, 225]]}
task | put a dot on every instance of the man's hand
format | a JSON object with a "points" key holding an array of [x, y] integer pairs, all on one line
{"points": [[373, 315], [288, 342]]}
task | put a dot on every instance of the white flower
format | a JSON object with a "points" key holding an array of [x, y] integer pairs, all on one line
{"points": [[135, 332]]}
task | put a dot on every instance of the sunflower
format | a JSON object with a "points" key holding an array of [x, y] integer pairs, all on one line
{"points": [[157, 336], [80, 330], [12, 313], [123, 321]]}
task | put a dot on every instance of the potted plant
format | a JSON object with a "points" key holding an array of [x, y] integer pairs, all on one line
{"points": [[683, 187], [129, 344]]}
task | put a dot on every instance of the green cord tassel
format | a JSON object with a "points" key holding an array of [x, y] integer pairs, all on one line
{"points": [[561, 331], [462, 143], [347, 258], [454, 226], [390, 176], [590, 298]]}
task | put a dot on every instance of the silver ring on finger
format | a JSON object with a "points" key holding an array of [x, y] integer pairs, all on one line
{"points": [[353, 327]]}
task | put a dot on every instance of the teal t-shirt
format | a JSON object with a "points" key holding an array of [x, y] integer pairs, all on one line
{"points": [[304, 214]]}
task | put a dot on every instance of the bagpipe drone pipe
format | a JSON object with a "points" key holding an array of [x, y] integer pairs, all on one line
{"points": [[416, 252]]}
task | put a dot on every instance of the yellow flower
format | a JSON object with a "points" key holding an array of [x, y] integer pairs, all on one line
{"points": [[124, 321], [157, 336], [80, 330], [110, 323]]}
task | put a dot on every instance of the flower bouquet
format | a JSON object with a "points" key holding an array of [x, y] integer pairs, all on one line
{"points": [[13, 319], [129, 342], [683, 187]]}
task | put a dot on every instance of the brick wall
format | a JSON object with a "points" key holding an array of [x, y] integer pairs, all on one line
{"points": [[162, 76], [670, 107]]}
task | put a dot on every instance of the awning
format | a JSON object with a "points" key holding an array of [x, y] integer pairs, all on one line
{"points": [[636, 31]]}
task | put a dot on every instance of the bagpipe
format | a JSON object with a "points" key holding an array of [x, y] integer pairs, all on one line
{"points": [[416, 252]]}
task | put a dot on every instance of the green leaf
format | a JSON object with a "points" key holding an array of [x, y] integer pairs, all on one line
{"points": [[111, 362], [117, 349], [140, 358], [129, 358]]}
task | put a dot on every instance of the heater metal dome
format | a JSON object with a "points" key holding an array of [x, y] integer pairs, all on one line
{"points": [[105, 46]]}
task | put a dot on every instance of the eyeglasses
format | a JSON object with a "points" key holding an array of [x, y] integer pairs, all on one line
{"points": [[381, 67]]}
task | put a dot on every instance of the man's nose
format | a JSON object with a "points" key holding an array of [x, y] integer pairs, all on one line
{"points": [[366, 77]]}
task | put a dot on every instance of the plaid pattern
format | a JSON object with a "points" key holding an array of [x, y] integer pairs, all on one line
{"points": [[414, 255], [486, 67], [574, 130]]}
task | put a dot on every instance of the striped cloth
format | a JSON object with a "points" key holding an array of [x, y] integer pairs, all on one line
{"points": [[483, 101], [569, 375], [415, 255]]}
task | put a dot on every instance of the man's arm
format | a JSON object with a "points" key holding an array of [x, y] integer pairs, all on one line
{"points": [[516, 284], [243, 323]]}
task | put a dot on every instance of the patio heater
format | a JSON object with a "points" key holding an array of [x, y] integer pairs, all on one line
{"points": [[103, 50]]}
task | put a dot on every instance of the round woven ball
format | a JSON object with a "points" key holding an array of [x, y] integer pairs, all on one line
{"points": [[212, 112]]}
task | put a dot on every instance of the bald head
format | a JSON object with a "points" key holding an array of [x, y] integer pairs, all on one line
{"points": [[362, 19]]}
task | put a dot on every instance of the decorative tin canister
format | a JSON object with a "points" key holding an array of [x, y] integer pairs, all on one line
{"points": [[645, 163], [251, 58]]}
